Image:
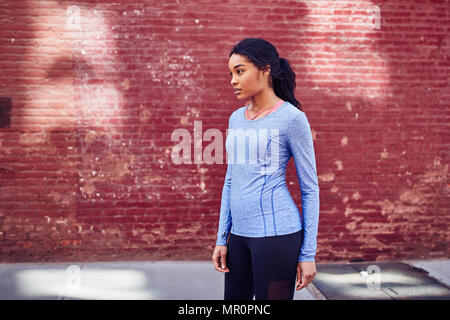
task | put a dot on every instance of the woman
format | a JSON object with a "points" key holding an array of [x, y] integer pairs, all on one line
{"points": [[269, 243]]}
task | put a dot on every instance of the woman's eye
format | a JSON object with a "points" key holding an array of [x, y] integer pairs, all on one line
{"points": [[236, 71]]}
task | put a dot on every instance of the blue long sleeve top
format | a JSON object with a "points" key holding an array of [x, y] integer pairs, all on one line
{"points": [[255, 199]]}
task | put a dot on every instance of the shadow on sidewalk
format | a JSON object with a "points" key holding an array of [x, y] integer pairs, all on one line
{"points": [[185, 280], [377, 281]]}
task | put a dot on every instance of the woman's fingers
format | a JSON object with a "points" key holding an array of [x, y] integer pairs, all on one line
{"points": [[299, 279], [305, 272], [215, 259], [219, 259], [223, 260], [303, 282]]}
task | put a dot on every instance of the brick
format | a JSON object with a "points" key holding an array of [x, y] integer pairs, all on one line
{"points": [[77, 97]]}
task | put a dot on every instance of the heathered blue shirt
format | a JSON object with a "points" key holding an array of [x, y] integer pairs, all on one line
{"points": [[255, 199]]}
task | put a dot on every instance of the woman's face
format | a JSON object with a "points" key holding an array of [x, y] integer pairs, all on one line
{"points": [[246, 77]]}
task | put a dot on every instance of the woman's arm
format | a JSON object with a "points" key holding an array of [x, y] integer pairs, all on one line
{"points": [[302, 149], [225, 213], [219, 256]]}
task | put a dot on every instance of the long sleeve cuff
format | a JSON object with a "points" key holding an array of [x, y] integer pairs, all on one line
{"points": [[305, 258], [221, 242]]}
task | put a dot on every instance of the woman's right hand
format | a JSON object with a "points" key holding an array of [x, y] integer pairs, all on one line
{"points": [[219, 259]]}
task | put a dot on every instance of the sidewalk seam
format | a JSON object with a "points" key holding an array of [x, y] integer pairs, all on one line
{"points": [[426, 273], [315, 292]]}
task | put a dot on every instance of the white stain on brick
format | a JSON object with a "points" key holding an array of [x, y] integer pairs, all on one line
{"points": [[356, 196], [327, 177], [348, 105]]}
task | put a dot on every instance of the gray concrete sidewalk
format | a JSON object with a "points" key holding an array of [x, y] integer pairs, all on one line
{"points": [[418, 280], [177, 280]]}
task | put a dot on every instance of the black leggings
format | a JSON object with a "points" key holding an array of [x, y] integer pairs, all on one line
{"points": [[265, 267]]}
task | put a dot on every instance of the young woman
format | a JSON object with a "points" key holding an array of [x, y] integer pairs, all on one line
{"points": [[269, 244]]}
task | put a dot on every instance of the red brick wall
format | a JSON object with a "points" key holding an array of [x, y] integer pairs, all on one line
{"points": [[97, 88]]}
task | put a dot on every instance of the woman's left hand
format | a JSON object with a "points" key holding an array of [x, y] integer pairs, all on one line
{"points": [[305, 274]]}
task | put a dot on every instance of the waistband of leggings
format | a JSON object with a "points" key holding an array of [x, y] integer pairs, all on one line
{"points": [[268, 237]]}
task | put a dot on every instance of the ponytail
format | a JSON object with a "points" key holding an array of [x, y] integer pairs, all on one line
{"points": [[284, 84]]}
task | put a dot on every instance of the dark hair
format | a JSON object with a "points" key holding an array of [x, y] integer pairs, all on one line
{"points": [[262, 53]]}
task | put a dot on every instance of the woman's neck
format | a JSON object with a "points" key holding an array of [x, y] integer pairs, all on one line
{"points": [[263, 100]]}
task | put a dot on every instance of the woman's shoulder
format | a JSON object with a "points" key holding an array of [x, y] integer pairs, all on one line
{"points": [[295, 116], [293, 110], [237, 111]]}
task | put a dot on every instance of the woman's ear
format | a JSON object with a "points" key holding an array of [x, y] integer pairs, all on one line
{"points": [[266, 76], [266, 71]]}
